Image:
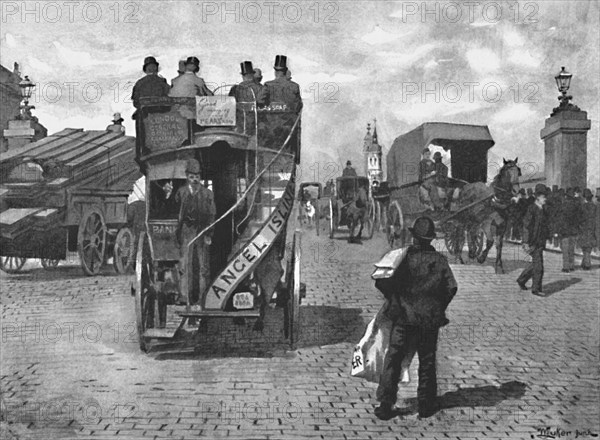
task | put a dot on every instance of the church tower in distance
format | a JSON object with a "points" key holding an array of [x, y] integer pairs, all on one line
{"points": [[373, 154]]}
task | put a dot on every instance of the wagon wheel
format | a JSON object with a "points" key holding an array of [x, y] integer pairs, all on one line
{"points": [[332, 219], [395, 230], [91, 241], [123, 251], [49, 263], [371, 218], [12, 264], [478, 240], [291, 310], [143, 291], [453, 237]]}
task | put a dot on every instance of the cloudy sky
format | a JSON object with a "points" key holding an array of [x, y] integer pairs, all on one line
{"points": [[403, 63]]}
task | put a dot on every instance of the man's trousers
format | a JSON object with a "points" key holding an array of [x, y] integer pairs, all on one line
{"points": [[534, 270], [402, 339], [567, 246]]}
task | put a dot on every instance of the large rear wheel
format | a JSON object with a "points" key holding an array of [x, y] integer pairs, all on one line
{"points": [[12, 264], [91, 240], [396, 232]]}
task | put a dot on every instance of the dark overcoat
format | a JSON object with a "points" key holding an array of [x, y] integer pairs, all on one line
{"points": [[535, 227], [421, 288]]}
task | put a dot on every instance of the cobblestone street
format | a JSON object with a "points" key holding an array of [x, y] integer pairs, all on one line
{"points": [[510, 364]]}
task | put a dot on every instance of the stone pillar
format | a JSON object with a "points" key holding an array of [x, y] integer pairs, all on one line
{"points": [[23, 131], [565, 138]]}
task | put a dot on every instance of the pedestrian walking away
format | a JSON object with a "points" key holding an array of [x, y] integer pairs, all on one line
{"points": [[417, 297], [535, 234]]}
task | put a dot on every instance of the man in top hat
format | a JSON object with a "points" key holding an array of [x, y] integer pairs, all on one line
{"points": [[282, 90], [258, 77], [569, 222], [587, 237], [149, 85], [116, 125], [417, 294], [180, 70], [197, 211], [349, 171], [189, 84], [248, 90], [535, 234]]}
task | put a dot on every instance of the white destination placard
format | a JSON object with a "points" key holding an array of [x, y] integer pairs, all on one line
{"points": [[215, 110]]}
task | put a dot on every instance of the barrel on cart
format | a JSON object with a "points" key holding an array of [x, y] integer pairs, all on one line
{"points": [[68, 192]]}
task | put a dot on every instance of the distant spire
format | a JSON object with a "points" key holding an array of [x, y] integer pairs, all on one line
{"points": [[375, 131]]}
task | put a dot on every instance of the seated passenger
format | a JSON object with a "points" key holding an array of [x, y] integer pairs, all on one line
{"points": [[150, 85], [282, 90], [249, 90], [349, 171], [189, 84]]}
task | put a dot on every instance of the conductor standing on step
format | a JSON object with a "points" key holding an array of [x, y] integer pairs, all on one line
{"points": [[197, 211], [418, 294]]}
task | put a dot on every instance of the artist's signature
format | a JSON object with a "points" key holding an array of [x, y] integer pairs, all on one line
{"points": [[548, 432]]}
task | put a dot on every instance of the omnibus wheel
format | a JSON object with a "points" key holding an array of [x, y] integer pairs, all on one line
{"points": [[395, 231], [145, 296], [291, 310], [49, 263]]}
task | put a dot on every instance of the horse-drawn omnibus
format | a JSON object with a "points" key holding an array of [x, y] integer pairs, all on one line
{"points": [[468, 204], [248, 158]]}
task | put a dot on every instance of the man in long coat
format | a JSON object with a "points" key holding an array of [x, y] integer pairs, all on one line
{"points": [[282, 90], [587, 236], [418, 294], [189, 84], [535, 234], [197, 211]]}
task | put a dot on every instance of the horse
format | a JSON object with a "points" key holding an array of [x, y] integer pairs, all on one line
{"points": [[356, 211], [492, 216]]}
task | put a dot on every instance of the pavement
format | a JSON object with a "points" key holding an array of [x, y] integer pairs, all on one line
{"points": [[510, 364]]}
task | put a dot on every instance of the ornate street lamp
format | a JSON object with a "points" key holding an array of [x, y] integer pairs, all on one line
{"points": [[27, 87], [563, 82]]}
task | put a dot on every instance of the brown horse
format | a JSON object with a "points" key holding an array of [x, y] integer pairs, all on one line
{"points": [[492, 216]]}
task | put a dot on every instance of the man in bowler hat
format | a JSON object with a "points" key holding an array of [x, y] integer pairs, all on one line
{"points": [[417, 297], [197, 211], [149, 85], [282, 90], [535, 233], [349, 171], [189, 84], [248, 90]]}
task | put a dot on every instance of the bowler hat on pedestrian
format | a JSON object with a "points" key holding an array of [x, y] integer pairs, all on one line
{"points": [[437, 155], [280, 63], [192, 167], [247, 68], [541, 190], [195, 61], [148, 61], [423, 229], [348, 163], [117, 118], [587, 194]]}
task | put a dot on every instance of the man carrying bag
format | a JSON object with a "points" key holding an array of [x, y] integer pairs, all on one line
{"points": [[418, 293]]}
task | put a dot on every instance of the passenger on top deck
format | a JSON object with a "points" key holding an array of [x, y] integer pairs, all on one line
{"points": [[349, 171], [180, 70], [258, 76], [149, 85], [248, 90], [116, 126], [189, 84], [282, 90]]}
